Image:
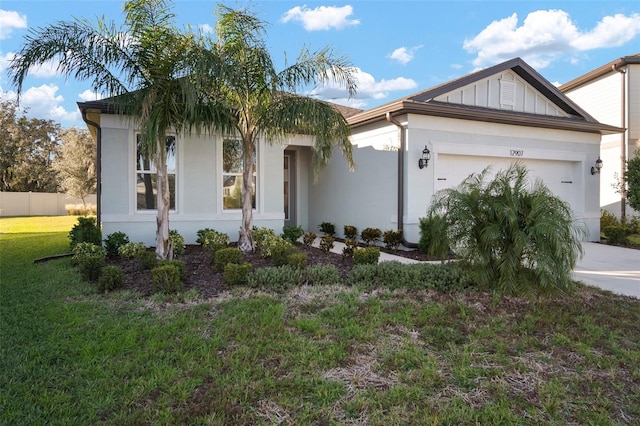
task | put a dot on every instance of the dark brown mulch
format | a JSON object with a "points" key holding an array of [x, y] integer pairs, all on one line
{"points": [[202, 277]]}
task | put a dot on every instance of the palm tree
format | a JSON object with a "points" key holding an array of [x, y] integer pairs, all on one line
{"points": [[515, 236], [141, 68], [251, 99]]}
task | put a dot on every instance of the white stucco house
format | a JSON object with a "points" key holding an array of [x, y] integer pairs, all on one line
{"points": [[611, 94], [492, 117]]}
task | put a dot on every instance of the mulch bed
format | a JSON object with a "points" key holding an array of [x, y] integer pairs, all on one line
{"points": [[202, 277]]}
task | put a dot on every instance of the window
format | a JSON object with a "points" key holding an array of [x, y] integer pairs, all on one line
{"points": [[147, 176], [232, 165]]}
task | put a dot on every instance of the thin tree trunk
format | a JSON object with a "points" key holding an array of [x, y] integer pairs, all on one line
{"points": [[162, 232], [245, 243]]}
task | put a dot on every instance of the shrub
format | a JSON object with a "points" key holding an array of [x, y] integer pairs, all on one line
{"points": [[178, 264], [327, 228], [280, 249], [166, 279], [366, 255], [607, 219], [85, 231], [147, 259], [392, 239], [326, 243], [350, 232], [90, 259], [616, 235], [111, 278], [261, 239], [227, 255], [292, 233], [277, 278], [114, 241], [349, 247], [177, 242], [370, 235], [212, 239], [236, 274], [297, 260], [516, 237], [322, 275], [308, 238], [433, 236], [273, 245], [131, 250]]}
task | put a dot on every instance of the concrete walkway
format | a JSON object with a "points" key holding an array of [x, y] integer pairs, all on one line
{"points": [[612, 268]]}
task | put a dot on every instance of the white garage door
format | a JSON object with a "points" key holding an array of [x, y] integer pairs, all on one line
{"points": [[559, 176]]}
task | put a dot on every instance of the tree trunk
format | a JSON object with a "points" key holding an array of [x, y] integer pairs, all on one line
{"points": [[245, 243], [163, 204]]}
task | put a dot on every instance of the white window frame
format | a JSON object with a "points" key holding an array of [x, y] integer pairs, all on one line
{"points": [[153, 171], [224, 174]]}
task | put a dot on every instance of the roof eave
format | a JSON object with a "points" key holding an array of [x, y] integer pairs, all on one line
{"points": [[599, 72]]}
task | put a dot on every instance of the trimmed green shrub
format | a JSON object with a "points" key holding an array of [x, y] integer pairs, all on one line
{"points": [[177, 241], [274, 245], [85, 231], [280, 250], [433, 237], [322, 275], [607, 219], [166, 279], [261, 236], [392, 239], [227, 255], [366, 255], [326, 243], [237, 274], [147, 259], [212, 239], [327, 228], [297, 260], [178, 264], [616, 235], [370, 235], [308, 238], [292, 233], [277, 278], [349, 247], [89, 258], [111, 278], [131, 250], [350, 232], [114, 241]]}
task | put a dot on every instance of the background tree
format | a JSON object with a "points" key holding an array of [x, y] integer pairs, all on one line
{"points": [[28, 146], [251, 99], [141, 68], [76, 163], [515, 236]]}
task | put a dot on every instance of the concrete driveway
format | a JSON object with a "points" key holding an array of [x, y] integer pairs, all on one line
{"points": [[612, 268]]}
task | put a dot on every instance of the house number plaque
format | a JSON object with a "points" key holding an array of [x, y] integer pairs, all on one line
{"points": [[517, 152]]}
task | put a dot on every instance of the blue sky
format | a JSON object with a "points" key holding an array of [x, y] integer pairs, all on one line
{"points": [[397, 47]]}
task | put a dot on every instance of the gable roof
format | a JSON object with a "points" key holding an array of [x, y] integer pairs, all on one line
{"points": [[599, 72], [429, 102]]}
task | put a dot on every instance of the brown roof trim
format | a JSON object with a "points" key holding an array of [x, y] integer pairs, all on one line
{"points": [[463, 112], [599, 72]]}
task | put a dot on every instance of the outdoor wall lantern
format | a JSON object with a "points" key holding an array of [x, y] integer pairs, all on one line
{"points": [[596, 169], [426, 156]]}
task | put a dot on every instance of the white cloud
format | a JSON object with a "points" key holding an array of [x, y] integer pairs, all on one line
{"points": [[206, 28], [546, 35], [10, 20], [44, 102], [321, 18], [404, 55], [368, 88], [46, 70], [89, 95]]}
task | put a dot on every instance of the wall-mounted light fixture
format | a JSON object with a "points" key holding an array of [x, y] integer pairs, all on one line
{"points": [[424, 160], [596, 169]]}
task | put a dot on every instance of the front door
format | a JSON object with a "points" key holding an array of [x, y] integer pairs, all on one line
{"points": [[289, 188]]}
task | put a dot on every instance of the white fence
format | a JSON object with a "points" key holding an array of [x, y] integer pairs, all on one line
{"points": [[37, 203]]}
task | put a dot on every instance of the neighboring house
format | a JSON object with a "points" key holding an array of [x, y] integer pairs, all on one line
{"points": [[611, 94], [493, 117]]}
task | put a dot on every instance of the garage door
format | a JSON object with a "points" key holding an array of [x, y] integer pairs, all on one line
{"points": [[559, 176]]}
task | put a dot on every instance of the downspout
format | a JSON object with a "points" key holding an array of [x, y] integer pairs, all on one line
{"points": [[98, 164], [623, 157], [402, 139]]}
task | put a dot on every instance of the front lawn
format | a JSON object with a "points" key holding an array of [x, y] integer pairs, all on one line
{"points": [[311, 355]]}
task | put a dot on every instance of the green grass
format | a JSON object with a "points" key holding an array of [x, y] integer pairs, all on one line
{"points": [[635, 239], [326, 355], [37, 224]]}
